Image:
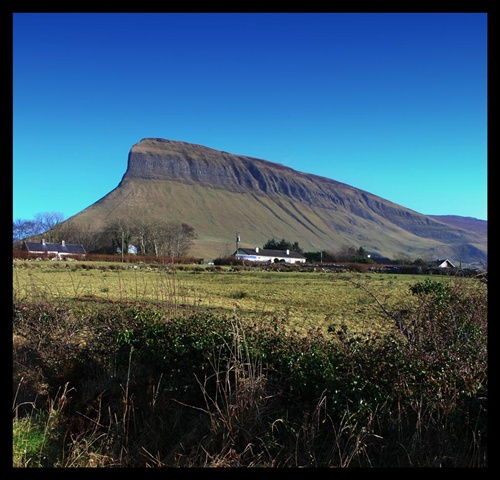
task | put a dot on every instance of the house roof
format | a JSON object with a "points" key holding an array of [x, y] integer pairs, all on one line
{"points": [[265, 252], [445, 261], [44, 247]]}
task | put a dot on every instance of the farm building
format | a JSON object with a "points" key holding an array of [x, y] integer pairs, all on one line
{"points": [[265, 255], [54, 250]]}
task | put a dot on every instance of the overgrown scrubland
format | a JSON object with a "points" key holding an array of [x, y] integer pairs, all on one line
{"points": [[103, 381]]}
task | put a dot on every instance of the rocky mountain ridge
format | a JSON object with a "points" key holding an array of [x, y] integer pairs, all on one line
{"points": [[219, 194]]}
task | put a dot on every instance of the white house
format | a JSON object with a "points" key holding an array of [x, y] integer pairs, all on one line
{"points": [[444, 264], [54, 249], [266, 255]]}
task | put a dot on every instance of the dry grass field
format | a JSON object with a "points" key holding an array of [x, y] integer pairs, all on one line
{"points": [[156, 365], [307, 300]]}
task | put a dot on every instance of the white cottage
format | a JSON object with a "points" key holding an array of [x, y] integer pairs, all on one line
{"points": [[444, 264], [266, 255]]}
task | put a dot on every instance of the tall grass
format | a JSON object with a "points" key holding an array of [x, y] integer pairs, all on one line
{"points": [[130, 384]]}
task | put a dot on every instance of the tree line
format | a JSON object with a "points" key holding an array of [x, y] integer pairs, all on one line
{"points": [[345, 253], [158, 238]]}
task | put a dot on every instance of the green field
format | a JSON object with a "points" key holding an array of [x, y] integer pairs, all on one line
{"points": [[149, 365], [304, 299]]}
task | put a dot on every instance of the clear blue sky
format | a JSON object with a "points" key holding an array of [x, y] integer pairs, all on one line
{"points": [[391, 103]]}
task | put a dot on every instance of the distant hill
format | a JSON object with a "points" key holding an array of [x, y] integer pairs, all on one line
{"points": [[466, 223], [221, 194]]}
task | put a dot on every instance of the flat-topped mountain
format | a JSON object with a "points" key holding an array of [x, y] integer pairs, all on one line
{"points": [[220, 194]]}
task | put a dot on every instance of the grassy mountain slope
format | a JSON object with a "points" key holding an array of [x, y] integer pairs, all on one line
{"points": [[220, 194]]}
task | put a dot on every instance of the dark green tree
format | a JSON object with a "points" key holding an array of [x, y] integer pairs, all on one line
{"points": [[282, 244]]}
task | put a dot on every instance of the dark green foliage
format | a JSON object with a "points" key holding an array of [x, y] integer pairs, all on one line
{"points": [[430, 287], [317, 257], [199, 385], [178, 349], [282, 244], [231, 260]]}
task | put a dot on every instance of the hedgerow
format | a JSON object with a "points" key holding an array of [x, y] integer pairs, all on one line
{"points": [[145, 388]]}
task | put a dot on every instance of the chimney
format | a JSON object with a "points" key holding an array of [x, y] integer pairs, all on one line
{"points": [[256, 249], [288, 252], [63, 243], [43, 241]]}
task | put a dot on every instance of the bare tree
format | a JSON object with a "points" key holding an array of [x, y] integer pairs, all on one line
{"points": [[142, 230], [82, 234], [346, 253], [120, 230], [164, 238], [154, 238], [23, 229], [47, 222], [180, 239], [43, 223]]}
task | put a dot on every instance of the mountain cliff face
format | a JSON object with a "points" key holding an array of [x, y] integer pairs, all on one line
{"points": [[220, 193]]}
